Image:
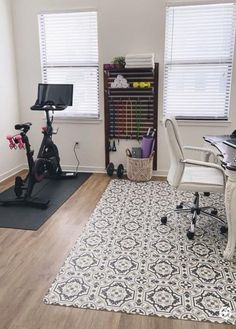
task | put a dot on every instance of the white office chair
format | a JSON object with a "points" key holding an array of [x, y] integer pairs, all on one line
{"points": [[192, 175]]}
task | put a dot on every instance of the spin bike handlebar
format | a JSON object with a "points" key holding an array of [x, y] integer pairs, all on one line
{"points": [[48, 106]]}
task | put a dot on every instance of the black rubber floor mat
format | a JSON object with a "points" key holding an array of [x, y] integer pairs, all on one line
{"points": [[26, 218]]}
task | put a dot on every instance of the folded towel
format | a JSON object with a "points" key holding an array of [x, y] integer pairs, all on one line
{"points": [[120, 82], [145, 60], [137, 57], [145, 56], [139, 65], [134, 61]]}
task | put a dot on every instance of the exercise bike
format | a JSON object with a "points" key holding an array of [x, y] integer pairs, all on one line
{"points": [[47, 163]]}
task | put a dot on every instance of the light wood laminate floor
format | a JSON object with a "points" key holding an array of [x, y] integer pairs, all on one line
{"points": [[30, 260]]}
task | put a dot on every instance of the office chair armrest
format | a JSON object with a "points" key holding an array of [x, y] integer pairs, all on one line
{"points": [[205, 164], [200, 149], [208, 152], [205, 151]]}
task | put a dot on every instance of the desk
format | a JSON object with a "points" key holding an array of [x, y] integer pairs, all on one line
{"points": [[227, 155]]}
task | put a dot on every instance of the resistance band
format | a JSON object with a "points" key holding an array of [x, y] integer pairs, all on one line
{"points": [[112, 111], [148, 108], [138, 119], [112, 116], [110, 124], [126, 119], [114, 119], [131, 118], [119, 107], [123, 118], [114, 127]]}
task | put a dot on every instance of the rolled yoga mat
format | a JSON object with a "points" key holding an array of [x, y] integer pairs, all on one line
{"points": [[147, 146]]}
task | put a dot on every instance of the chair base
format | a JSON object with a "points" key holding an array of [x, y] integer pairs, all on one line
{"points": [[196, 210]]}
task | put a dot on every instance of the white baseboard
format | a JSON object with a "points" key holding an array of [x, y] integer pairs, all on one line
{"points": [[102, 170], [89, 169], [160, 173], [12, 172]]}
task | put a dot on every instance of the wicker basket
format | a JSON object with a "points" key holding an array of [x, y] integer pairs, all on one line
{"points": [[139, 170]]}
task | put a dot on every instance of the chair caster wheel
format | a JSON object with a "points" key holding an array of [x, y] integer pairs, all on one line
{"points": [[164, 220], [179, 206], [206, 193], [190, 235], [223, 229], [214, 212]]}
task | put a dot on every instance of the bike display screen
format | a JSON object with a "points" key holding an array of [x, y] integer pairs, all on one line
{"points": [[55, 94]]}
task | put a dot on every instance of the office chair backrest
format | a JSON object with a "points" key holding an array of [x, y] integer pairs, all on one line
{"points": [[176, 152]]}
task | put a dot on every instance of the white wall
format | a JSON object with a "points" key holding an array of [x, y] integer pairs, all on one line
{"points": [[124, 27], [9, 160]]}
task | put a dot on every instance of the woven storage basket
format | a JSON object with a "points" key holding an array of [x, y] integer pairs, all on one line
{"points": [[139, 170]]}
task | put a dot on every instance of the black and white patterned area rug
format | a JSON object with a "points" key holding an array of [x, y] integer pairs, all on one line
{"points": [[126, 261]]}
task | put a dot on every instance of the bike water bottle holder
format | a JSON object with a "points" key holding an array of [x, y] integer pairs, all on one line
{"points": [[45, 130], [54, 132]]}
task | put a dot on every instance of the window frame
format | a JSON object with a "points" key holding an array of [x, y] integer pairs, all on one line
{"points": [[197, 118], [61, 116]]}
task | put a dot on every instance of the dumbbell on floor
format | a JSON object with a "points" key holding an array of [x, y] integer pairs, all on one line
{"points": [[111, 169]]}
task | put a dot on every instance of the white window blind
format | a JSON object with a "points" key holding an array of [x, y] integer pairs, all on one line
{"points": [[198, 60], [69, 54]]}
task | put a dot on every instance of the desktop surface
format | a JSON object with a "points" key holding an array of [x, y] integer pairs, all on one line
{"points": [[230, 142], [227, 153]]}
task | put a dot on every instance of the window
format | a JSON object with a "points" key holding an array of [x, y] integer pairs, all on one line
{"points": [[69, 54], [198, 60]]}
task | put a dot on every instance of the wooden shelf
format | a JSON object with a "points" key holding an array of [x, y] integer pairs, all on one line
{"points": [[130, 89], [129, 112]]}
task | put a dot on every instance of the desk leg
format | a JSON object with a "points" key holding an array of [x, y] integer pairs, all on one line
{"points": [[230, 204]]}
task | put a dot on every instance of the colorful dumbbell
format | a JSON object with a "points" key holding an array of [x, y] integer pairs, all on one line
{"points": [[141, 84], [15, 141]]}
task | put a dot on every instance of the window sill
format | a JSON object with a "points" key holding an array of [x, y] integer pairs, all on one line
{"points": [[75, 120], [209, 123], [203, 123]]}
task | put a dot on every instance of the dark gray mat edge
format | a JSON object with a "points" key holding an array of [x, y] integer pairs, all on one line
{"points": [[25, 218]]}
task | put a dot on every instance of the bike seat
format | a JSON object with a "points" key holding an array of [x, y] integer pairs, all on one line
{"points": [[23, 126]]}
